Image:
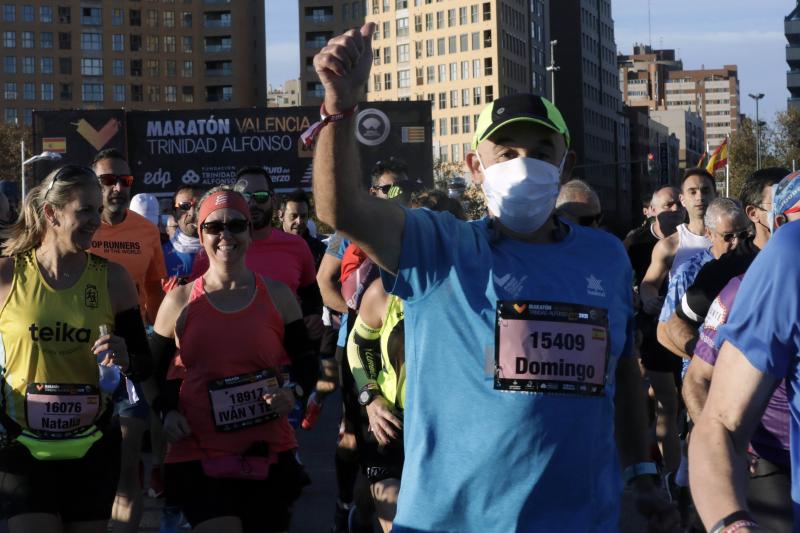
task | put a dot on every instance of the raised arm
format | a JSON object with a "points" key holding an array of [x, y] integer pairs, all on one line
{"points": [[375, 225]]}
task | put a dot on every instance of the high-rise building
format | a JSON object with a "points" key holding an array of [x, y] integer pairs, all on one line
{"points": [[459, 55], [587, 93], [643, 75], [688, 128], [791, 26], [132, 54], [711, 93]]}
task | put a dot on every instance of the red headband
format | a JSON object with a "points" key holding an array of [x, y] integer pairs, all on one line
{"points": [[223, 200]]}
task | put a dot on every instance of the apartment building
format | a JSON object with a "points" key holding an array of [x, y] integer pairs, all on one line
{"points": [[137, 54], [711, 93], [286, 95], [457, 54], [643, 75], [688, 128], [791, 26]]}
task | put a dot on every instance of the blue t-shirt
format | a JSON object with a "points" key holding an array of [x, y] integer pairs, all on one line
{"points": [[680, 282], [178, 263], [481, 459], [763, 325]]}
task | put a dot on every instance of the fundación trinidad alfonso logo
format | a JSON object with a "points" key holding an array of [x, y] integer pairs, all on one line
{"points": [[97, 138]]}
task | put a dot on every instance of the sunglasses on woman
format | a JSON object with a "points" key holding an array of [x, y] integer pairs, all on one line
{"points": [[109, 180], [67, 171], [237, 225]]}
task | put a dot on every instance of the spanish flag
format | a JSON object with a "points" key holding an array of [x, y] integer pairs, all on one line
{"points": [[719, 158]]}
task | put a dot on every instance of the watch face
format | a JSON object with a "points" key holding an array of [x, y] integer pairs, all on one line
{"points": [[364, 397]]}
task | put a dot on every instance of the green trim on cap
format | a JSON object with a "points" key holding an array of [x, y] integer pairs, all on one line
{"points": [[554, 121]]}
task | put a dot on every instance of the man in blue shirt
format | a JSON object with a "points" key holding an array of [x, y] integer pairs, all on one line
{"points": [[518, 327], [181, 249], [760, 347]]}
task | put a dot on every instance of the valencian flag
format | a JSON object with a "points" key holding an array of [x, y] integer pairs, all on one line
{"points": [[719, 158]]}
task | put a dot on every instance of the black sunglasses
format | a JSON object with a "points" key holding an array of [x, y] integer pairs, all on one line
{"points": [[237, 225], [589, 220], [741, 235], [68, 171], [185, 206], [383, 188], [260, 197]]}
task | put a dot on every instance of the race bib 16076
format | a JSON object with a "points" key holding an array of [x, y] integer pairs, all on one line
{"points": [[545, 347]]}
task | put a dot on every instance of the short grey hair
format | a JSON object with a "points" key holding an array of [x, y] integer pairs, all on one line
{"points": [[577, 191], [675, 193], [727, 207]]}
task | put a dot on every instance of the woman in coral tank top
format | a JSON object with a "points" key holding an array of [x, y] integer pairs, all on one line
{"points": [[230, 465]]}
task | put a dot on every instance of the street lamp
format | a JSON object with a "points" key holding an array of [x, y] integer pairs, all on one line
{"points": [[552, 69], [757, 97], [44, 156]]}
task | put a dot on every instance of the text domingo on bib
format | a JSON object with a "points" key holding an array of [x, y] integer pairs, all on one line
{"points": [[545, 347]]}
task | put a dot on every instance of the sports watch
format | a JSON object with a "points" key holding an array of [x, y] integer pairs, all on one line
{"points": [[368, 393]]}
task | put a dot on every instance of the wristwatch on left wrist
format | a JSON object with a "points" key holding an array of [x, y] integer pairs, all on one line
{"points": [[368, 393]]}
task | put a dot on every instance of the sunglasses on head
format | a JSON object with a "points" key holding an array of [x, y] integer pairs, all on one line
{"points": [[260, 197], [237, 225], [67, 171], [590, 220], [740, 235], [109, 180], [185, 206], [383, 188]]}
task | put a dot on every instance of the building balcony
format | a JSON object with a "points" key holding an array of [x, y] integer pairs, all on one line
{"points": [[794, 103], [219, 72], [791, 27], [212, 23], [217, 48], [793, 79], [213, 2], [319, 19]]}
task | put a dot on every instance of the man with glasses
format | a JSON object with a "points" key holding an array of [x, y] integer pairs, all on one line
{"points": [[131, 240], [183, 246]]}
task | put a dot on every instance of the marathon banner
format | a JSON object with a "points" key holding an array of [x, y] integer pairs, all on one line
{"points": [[205, 147], [76, 135]]}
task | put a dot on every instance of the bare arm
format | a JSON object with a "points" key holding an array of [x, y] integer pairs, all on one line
{"points": [[660, 263], [375, 225], [285, 302], [717, 451], [666, 341], [330, 270], [695, 386]]}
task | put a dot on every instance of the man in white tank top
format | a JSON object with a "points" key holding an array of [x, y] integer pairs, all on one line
{"points": [[697, 191]]}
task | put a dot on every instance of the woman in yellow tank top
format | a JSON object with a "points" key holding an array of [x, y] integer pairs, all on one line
{"points": [[59, 444]]}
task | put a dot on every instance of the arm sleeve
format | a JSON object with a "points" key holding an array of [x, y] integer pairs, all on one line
{"points": [[364, 354], [697, 299], [764, 323], [130, 326], [164, 349], [310, 298]]}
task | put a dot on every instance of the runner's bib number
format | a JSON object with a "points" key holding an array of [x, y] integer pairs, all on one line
{"points": [[545, 347], [60, 410], [238, 401]]}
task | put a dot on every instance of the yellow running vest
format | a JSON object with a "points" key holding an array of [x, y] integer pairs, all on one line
{"points": [[391, 381], [48, 373]]}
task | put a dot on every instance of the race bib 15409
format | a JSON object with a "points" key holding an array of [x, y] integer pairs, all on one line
{"points": [[545, 347]]}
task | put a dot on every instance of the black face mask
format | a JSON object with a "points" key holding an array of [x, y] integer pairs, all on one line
{"points": [[669, 221]]}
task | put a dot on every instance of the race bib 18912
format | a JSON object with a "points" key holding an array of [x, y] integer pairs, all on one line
{"points": [[545, 347], [60, 410], [238, 401]]}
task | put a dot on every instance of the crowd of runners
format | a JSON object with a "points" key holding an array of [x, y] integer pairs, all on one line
{"points": [[518, 372]]}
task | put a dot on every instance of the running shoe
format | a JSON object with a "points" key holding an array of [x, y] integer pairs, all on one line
{"points": [[313, 409], [156, 489]]}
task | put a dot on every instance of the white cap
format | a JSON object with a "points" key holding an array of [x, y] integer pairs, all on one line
{"points": [[146, 205]]}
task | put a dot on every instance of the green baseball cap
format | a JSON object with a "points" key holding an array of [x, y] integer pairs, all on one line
{"points": [[522, 107]]}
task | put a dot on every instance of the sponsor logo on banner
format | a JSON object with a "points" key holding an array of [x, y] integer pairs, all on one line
{"points": [[97, 138], [190, 177], [54, 144], [372, 127], [160, 177]]}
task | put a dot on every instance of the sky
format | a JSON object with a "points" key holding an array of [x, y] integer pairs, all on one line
{"points": [[747, 33]]}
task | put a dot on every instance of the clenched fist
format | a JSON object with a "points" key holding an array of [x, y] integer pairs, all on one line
{"points": [[343, 68]]}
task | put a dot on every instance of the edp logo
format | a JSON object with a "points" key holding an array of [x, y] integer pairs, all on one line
{"points": [[159, 177]]}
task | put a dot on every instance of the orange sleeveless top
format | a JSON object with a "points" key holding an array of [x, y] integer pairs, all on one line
{"points": [[230, 358]]}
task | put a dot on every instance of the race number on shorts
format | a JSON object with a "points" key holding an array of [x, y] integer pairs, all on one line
{"points": [[547, 347], [238, 401], [60, 410]]}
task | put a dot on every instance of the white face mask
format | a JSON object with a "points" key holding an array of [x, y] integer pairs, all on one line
{"points": [[522, 192]]}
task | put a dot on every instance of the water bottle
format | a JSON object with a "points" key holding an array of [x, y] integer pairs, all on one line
{"points": [[109, 375]]}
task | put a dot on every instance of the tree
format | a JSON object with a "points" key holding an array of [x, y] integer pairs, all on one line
{"points": [[10, 136], [742, 155], [786, 137]]}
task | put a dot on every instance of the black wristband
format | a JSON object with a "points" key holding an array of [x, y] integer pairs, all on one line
{"points": [[730, 520]]}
